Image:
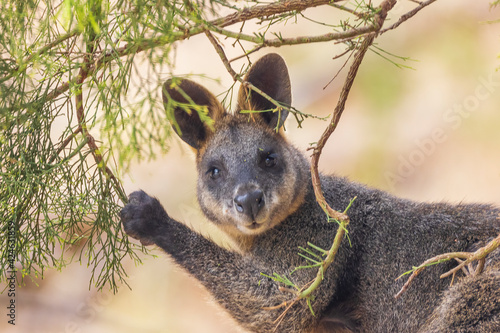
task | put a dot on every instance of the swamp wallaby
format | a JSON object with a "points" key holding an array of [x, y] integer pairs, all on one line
{"points": [[256, 186]]}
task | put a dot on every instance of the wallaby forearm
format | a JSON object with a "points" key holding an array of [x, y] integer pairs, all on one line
{"points": [[235, 280]]}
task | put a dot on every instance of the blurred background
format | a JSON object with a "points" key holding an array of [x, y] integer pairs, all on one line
{"points": [[429, 133]]}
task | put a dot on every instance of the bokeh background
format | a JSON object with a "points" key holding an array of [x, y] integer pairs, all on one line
{"points": [[430, 133]]}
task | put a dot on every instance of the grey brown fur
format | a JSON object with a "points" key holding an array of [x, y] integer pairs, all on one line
{"points": [[257, 188]]}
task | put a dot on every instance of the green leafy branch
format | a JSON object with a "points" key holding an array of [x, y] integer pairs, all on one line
{"points": [[170, 35], [318, 258]]}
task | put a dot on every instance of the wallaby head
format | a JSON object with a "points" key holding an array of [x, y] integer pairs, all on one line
{"points": [[249, 177]]}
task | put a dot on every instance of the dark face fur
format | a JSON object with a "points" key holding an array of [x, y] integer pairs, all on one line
{"points": [[250, 178]]}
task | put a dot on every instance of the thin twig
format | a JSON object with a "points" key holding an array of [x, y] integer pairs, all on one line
{"points": [[408, 15], [222, 56], [333, 125], [479, 267], [340, 69], [340, 55], [282, 315], [428, 262], [246, 54], [479, 255], [339, 109], [65, 143], [464, 270], [350, 11], [342, 218], [299, 116], [276, 307]]}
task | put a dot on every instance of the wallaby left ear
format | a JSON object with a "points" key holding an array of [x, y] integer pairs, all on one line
{"points": [[270, 75], [180, 98]]}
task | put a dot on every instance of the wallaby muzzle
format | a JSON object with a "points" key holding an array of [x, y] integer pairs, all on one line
{"points": [[249, 200]]}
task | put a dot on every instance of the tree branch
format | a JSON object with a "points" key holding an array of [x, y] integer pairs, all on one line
{"points": [[277, 42], [342, 218], [268, 10], [218, 25], [339, 109], [469, 257]]}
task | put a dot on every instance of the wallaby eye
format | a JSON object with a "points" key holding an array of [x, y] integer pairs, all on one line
{"points": [[214, 173], [270, 160], [267, 158]]}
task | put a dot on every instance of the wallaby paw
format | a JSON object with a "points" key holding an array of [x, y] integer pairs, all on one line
{"points": [[143, 217]]}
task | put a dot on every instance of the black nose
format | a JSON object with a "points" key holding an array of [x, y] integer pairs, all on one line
{"points": [[250, 203]]}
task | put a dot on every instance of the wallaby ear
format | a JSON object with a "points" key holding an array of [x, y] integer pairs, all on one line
{"points": [[270, 75], [185, 101]]}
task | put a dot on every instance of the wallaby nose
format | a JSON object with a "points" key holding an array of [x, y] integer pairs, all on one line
{"points": [[249, 203]]}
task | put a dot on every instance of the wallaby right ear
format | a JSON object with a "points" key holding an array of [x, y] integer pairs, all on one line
{"points": [[192, 109], [270, 75]]}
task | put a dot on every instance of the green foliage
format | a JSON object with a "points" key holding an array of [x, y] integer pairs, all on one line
{"points": [[63, 86]]}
